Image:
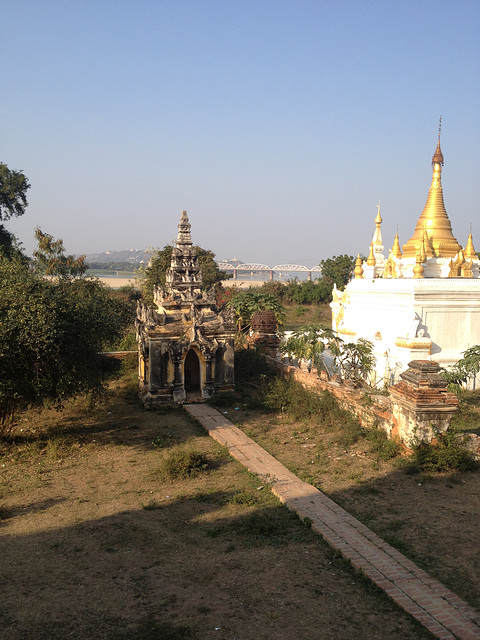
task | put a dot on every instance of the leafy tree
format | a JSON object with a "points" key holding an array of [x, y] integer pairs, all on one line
{"points": [[339, 269], [356, 360], [154, 274], [13, 192], [247, 302], [50, 258], [51, 337], [9, 245], [352, 361], [13, 202], [466, 368], [308, 343], [318, 291]]}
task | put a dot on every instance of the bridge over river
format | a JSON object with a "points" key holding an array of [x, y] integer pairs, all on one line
{"points": [[262, 272]]}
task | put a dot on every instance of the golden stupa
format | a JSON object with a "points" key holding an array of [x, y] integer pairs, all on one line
{"points": [[433, 229]]}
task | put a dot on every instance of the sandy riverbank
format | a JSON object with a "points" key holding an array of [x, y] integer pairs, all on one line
{"points": [[117, 283]]}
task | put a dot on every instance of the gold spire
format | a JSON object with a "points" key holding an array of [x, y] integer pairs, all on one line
{"points": [[396, 251], [434, 222], [371, 256], [470, 249], [377, 236], [358, 268]]}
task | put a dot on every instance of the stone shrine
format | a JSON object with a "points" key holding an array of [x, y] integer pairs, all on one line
{"points": [[419, 304], [186, 344]]}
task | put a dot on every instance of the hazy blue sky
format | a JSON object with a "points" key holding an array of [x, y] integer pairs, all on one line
{"points": [[277, 124]]}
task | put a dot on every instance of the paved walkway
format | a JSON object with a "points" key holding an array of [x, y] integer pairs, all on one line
{"points": [[436, 607]]}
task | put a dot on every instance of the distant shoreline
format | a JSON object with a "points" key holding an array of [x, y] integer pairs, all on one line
{"points": [[116, 282]]}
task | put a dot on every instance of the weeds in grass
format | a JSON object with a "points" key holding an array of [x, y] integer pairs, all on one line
{"points": [[263, 525], [289, 396], [150, 506], [244, 497], [224, 399], [351, 432], [183, 463], [381, 445], [448, 453], [161, 442], [466, 418]]}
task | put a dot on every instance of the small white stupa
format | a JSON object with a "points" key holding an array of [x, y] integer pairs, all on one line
{"points": [[419, 304]]}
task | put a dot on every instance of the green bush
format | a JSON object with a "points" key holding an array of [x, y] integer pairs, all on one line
{"points": [[249, 365], [223, 399], [448, 453], [183, 463]]}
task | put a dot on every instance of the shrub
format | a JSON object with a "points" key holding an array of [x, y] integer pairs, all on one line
{"points": [[448, 453], [183, 463], [249, 364], [351, 432], [384, 447]]}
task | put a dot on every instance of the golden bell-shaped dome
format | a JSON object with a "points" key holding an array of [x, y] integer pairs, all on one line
{"points": [[433, 226], [358, 268], [396, 251], [470, 249]]}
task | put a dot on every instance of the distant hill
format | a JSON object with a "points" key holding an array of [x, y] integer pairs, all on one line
{"points": [[133, 256]]}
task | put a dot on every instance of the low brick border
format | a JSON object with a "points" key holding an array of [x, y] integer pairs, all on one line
{"points": [[437, 608]]}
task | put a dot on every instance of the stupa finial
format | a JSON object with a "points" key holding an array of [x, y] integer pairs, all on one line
{"points": [[438, 155]]}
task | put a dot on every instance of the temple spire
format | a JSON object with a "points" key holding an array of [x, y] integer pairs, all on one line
{"points": [[377, 236], [184, 274], [434, 222]]}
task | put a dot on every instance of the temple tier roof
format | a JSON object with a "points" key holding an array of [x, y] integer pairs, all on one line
{"points": [[184, 274], [434, 230]]}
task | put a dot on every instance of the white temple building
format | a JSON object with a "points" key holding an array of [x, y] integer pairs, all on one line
{"points": [[422, 303]]}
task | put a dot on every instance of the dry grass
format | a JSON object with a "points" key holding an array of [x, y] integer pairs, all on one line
{"points": [[96, 541], [431, 517]]}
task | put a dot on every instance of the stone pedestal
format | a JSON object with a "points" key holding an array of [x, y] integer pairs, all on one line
{"points": [[264, 332], [422, 406]]}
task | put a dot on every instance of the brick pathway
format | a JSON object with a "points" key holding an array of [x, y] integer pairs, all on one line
{"points": [[436, 607]]}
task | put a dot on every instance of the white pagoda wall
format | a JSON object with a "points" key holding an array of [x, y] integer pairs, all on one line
{"points": [[413, 319]]}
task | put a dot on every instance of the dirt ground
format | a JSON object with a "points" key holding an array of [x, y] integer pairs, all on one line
{"points": [[96, 542], [433, 518]]}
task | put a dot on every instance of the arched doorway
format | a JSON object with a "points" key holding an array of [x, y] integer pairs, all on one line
{"points": [[192, 372]]}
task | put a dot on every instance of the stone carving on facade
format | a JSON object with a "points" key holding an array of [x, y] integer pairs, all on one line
{"points": [[186, 343]]}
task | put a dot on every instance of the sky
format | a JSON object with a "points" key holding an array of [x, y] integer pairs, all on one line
{"points": [[278, 125]]}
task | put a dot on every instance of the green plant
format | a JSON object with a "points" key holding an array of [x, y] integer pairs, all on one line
{"points": [[384, 447], [247, 302], [300, 311], [355, 359], [449, 452], [466, 368], [183, 463], [223, 399], [308, 343], [244, 497], [351, 432]]}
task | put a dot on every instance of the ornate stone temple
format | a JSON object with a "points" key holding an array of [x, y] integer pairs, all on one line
{"points": [[419, 304], [186, 344]]}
